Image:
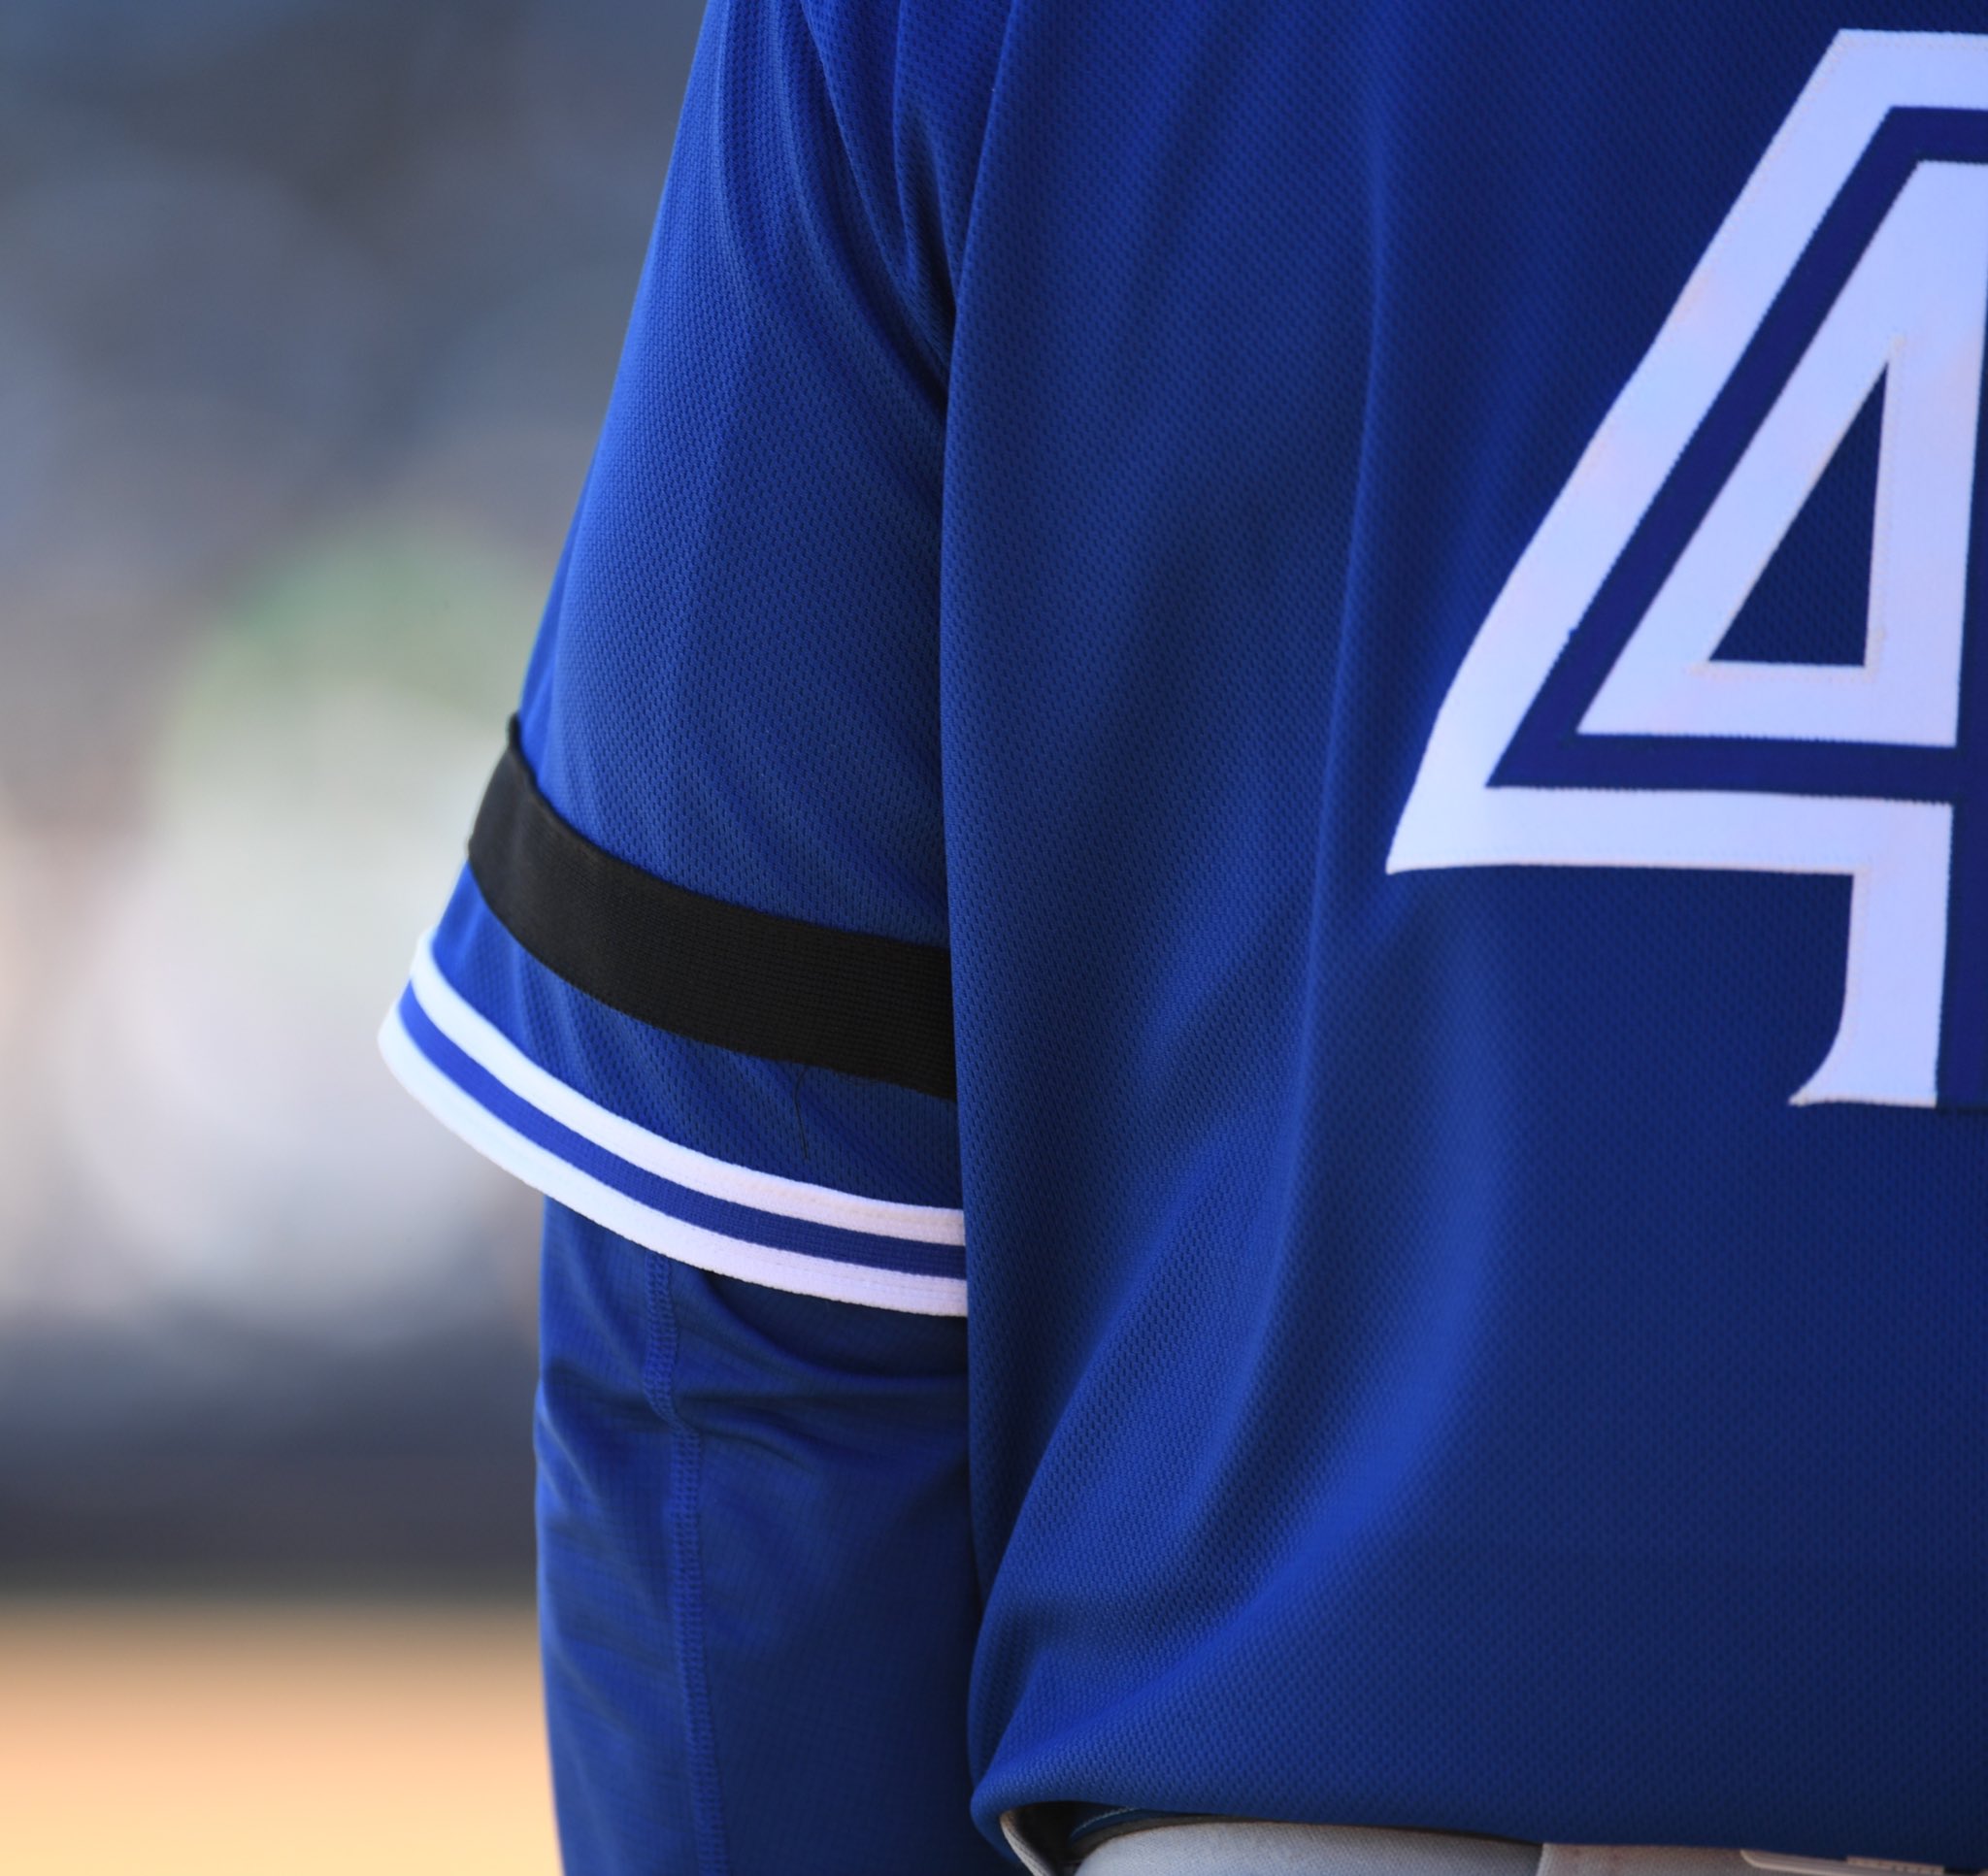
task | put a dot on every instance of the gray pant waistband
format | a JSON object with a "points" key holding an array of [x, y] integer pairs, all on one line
{"points": [[1243, 1849], [1220, 1847]]}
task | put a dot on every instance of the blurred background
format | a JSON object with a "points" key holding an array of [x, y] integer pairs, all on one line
{"points": [[309, 311]]}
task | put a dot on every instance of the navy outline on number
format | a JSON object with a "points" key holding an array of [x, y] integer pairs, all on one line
{"points": [[1550, 751]]}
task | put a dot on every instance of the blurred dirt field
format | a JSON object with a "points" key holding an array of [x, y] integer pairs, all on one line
{"points": [[200, 1740]]}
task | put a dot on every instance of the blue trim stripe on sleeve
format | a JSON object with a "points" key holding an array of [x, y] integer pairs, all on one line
{"points": [[748, 1224]]}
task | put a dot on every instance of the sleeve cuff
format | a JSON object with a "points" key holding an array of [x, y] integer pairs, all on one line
{"points": [[732, 1220]]}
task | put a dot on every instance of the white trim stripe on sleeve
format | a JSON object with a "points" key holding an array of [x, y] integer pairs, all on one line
{"points": [[731, 1219]]}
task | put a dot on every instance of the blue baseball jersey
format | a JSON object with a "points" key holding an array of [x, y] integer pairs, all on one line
{"points": [[1291, 703]]}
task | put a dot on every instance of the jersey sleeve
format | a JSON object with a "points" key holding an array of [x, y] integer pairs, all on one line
{"points": [[694, 980]]}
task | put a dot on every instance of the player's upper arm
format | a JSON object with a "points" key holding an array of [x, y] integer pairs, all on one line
{"points": [[694, 981]]}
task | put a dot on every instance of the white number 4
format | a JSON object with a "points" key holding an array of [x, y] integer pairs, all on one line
{"points": [[1590, 724]]}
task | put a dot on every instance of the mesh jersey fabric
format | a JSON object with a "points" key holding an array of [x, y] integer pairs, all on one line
{"points": [[1424, 1370]]}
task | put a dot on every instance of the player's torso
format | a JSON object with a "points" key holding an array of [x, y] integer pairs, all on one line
{"points": [[1465, 811]]}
